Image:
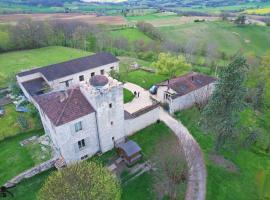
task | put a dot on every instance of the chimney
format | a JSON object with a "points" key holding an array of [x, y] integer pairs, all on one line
{"points": [[63, 96]]}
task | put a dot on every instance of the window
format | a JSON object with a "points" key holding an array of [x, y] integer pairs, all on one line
{"points": [[111, 122], [78, 126], [84, 157], [92, 74], [81, 78], [102, 72], [112, 68], [81, 144], [67, 83], [110, 105], [167, 96]]}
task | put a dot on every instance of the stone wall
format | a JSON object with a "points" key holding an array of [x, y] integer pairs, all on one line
{"points": [[140, 120], [31, 172]]}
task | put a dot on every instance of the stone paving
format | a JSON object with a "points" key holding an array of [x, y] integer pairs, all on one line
{"points": [[140, 102], [196, 188]]}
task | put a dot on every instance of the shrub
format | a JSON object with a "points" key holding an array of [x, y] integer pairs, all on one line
{"points": [[82, 181], [23, 122]]}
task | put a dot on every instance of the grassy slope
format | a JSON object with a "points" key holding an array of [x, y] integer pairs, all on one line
{"points": [[228, 37], [131, 34], [15, 158], [28, 189], [221, 184], [9, 123], [16, 61]]}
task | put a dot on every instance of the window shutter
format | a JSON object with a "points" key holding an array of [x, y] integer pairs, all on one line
{"points": [[87, 141], [76, 147], [72, 128]]}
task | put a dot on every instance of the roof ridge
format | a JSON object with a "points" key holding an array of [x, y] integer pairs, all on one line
{"points": [[64, 108]]}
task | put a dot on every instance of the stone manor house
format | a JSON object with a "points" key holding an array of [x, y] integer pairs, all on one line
{"points": [[81, 106]]}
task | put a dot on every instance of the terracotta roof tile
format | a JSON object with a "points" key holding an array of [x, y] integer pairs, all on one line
{"points": [[187, 83], [64, 107]]}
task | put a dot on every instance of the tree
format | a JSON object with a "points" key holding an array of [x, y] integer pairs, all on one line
{"points": [[81, 181], [170, 65], [222, 112], [240, 20], [170, 168]]}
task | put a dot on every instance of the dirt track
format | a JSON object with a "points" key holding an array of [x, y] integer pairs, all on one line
{"points": [[87, 18]]}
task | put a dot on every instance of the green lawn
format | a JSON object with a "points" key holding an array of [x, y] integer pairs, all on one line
{"points": [[9, 122], [14, 62], [252, 181], [128, 96], [228, 37], [28, 189], [131, 34], [143, 78], [15, 158], [139, 188]]}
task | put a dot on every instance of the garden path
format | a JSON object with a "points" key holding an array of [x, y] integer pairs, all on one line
{"points": [[196, 189], [139, 102]]}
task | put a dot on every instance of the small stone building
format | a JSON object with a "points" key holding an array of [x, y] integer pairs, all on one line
{"points": [[185, 91], [129, 151]]}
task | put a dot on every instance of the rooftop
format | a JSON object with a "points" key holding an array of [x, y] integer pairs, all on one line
{"points": [[130, 148], [59, 70], [99, 81], [35, 86], [187, 83], [64, 106]]}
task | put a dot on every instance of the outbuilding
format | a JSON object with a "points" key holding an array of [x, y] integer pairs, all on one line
{"points": [[130, 151]]}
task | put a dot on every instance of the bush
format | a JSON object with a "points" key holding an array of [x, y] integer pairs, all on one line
{"points": [[82, 181], [23, 122]]}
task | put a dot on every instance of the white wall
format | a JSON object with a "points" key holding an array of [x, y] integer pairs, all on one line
{"points": [[59, 85], [141, 122], [188, 100], [67, 138]]}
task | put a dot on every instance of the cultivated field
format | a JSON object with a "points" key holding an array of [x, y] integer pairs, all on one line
{"points": [[66, 17], [168, 19], [227, 37]]}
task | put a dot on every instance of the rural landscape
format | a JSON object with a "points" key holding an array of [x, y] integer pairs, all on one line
{"points": [[185, 83]]}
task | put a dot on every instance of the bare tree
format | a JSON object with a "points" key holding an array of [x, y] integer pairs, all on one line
{"points": [[190, 50], [170, 168], [202, 96], [211, 54]]}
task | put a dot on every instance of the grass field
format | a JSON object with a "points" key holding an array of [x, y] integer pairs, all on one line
{"points": [[259, 11], [228, 37], [252, 180], [9, 122], [139, 188], [143, 78], [14, 62], [131, 34], [15, 158]]}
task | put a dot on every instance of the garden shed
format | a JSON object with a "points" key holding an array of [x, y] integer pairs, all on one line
{"points": [[130, 151]]}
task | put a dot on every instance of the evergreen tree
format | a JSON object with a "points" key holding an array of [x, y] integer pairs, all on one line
{"points": [[222, 112]]}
